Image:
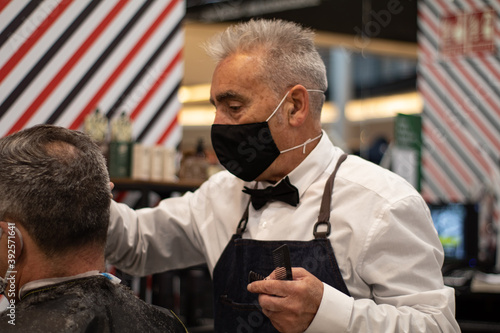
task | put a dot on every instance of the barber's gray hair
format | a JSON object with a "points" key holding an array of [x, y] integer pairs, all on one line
{"points": [[289, 54], [54, 182]]}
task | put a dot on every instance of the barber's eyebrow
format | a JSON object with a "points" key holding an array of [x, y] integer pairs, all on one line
{"points": [[228, 95]]}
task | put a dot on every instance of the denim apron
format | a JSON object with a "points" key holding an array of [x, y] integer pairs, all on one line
{"points": [[237, 310]]}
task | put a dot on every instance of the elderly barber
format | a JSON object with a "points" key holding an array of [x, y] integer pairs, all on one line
{"points": [[371, 264]]}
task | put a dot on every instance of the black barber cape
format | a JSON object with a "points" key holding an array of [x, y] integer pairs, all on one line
{"points": [[90, 304]]}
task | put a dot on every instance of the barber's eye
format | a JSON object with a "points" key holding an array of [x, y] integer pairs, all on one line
{"points": [[233, 106]]}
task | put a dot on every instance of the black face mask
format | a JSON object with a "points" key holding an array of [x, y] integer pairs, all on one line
{"points": [[247, 150]]}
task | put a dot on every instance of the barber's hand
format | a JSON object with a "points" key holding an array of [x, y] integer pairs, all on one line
{"points": [[290, 305]]}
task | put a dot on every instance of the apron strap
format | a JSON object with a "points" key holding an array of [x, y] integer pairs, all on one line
{"points": [[242, 225], [324, 211]]}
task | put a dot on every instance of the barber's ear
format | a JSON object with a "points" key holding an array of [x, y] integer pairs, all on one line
{"points": [[300, 111]]}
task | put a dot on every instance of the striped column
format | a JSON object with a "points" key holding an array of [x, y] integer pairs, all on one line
{"points": [[62, 59], [459, 79], [461, 120]]}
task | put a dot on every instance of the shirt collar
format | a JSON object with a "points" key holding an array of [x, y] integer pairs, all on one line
{"points": [[50, 281], [315, 164], [312, 167]]}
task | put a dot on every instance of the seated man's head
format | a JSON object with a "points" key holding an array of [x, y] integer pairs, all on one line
{"points": [[54, 192]]}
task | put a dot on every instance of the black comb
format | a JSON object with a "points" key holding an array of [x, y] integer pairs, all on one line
{"points": [[282, 265], [252, 276]]}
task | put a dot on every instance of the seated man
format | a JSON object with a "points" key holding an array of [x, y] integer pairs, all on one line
{"points": [[54, 213]]}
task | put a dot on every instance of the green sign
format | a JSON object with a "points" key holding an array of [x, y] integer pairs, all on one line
{"points": [[406, 155]]}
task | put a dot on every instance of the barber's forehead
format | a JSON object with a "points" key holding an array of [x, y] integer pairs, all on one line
{"points": [[240, 68]]}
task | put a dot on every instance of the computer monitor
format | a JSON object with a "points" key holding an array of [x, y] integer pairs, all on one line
{"points": [[457, 227]]}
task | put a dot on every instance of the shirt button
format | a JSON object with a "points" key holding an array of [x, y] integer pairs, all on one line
{"points": [[263, 224]]}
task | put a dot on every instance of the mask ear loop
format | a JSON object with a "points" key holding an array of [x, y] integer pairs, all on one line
{"points": [[308, 140], [277, 108], [302, 145], [316, 90]]}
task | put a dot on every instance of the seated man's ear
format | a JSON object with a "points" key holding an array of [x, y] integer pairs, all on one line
{"points": [[12, 238]]}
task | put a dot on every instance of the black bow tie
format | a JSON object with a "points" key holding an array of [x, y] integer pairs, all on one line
{"points": [[284, 191]]}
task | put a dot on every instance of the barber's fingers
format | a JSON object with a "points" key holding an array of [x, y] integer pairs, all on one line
{"points": [[273, 303], [275, 287], [276, 295], [269, 287], [300, 273], [290, 305]]}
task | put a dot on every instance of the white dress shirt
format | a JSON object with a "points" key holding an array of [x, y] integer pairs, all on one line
{"points": [[382, 234]]}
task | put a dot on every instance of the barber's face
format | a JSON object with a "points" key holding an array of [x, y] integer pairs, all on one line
{"points": [[238, 94]]}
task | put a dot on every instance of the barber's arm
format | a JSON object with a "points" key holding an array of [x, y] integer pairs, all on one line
{"points": [[400, 263], [151, 240]]}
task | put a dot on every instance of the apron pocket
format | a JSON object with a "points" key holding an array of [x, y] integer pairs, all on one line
{"points": [[224, 299], [234, 317]]}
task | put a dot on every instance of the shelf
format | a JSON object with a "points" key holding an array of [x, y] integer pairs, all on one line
{"points": [[183, 185], [162, 188]]}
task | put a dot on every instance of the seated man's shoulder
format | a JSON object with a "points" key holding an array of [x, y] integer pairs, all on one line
{"points": [[90, 304], [146, 316]]}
